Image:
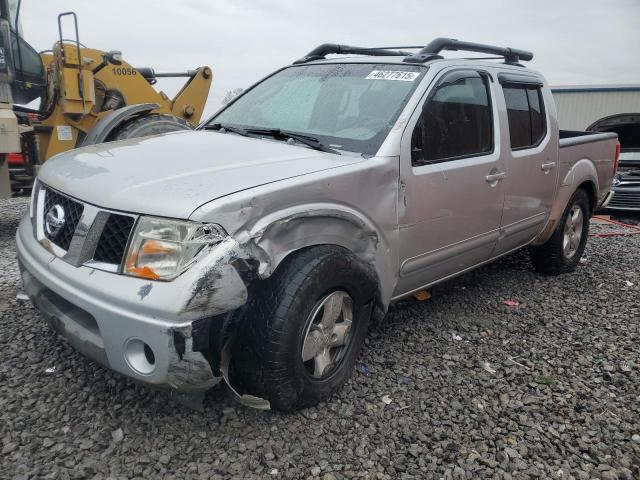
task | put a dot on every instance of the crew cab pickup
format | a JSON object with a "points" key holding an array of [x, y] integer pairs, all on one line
{"points": [[258, 247]]}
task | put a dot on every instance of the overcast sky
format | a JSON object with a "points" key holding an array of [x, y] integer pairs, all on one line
{"points": [[574, 41]]}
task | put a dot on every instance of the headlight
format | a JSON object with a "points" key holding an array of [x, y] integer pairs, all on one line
{"points": [[162, 249]]}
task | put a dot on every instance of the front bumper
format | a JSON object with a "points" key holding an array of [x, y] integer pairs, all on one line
{"points": [[159, 333]]}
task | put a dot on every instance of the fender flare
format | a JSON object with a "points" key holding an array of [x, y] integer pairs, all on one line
{"points": [[107, 124], [580, 173]]}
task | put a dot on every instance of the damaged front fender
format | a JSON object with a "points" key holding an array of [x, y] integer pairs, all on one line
{"points": [[223, 275], [218, 285], [273, 237]]}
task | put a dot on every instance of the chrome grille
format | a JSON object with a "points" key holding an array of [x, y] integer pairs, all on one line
{"points": [[625, 200], [72, 213], [113, 240], [81, 233]]}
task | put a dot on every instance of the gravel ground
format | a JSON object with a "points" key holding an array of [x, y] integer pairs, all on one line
{"points": [[477, 389]]}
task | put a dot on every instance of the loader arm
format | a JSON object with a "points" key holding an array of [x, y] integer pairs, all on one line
{"points": [[189, 102]]}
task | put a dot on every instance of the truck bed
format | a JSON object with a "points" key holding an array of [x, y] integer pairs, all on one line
{"points": [[596, 147], [574, 137]]}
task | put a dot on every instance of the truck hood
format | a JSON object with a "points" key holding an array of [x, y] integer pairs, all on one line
{"points": [[171, 175]]}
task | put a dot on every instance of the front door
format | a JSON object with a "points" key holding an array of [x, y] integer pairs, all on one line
{"points": [[452, 181]]}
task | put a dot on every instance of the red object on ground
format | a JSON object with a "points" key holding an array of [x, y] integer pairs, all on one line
{"points": [[511, 303], [635, 230]]}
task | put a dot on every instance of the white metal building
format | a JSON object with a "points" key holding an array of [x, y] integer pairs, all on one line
{"points": [[603, 108], [581, 107]]}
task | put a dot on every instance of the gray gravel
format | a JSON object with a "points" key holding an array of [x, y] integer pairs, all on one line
{"points": [[477, 389]]}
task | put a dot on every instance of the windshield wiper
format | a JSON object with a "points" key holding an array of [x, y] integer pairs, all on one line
{"points": [[272, 132], [283, 134], [221, 127]]}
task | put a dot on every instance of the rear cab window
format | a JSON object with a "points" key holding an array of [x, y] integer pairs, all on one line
{"points": [[525, 112]]}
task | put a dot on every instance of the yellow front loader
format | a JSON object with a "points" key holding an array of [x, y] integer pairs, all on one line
{"points": [[89, 96]]}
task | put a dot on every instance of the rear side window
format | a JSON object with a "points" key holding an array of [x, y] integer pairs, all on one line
{"points": [[527, 124], [456, 122]]}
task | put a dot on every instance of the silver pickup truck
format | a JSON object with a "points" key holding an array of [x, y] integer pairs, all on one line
{"points": [[258, 248]]}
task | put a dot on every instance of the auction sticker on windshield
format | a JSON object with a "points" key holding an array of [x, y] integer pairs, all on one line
{"points": [[393, 75]]}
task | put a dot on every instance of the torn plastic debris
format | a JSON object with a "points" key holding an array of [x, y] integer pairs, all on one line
{"points": [[487, 366], [386, 399], [511, 303], [544, 380], [364, 369], [247, 400]]}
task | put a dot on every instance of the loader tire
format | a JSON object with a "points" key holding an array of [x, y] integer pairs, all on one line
{"points": [[147, 125], [562, 252], [301, 330]]}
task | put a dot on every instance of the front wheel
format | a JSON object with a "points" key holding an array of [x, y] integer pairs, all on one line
{"points": [[562, 252], [301, 331]]}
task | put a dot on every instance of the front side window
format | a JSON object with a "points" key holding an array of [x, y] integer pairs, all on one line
{"points": [[527, 124], [348, 107], [456, 122]]}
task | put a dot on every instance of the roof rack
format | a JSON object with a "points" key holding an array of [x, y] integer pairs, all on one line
{"points": [[325, 49], [426, 53], [431, 50]]}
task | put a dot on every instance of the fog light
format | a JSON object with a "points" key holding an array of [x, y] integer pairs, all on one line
{"points": [[140, 356]]}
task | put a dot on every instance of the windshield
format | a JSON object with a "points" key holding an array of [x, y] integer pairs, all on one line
{"points": [[345, 106]]}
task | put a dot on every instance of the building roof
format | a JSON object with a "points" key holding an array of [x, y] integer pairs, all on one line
{"points": [[628, 87]]}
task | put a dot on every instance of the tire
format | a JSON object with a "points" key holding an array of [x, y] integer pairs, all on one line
{"points": [[552, 257], [147, 125], [287, 309]]}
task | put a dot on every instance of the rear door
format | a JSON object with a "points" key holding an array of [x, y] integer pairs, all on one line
{"points": [[451, 190], [532, 158]]}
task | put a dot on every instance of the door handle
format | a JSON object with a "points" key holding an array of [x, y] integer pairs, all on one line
{"points": [[547, 166], [494, 177]]}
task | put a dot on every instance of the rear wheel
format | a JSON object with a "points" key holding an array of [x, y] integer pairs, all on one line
{"points": [[149, 125], [302, 329], [562, 252]]}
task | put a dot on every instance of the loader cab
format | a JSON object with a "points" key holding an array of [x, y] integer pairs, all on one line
{"points": [[29, 80]]}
